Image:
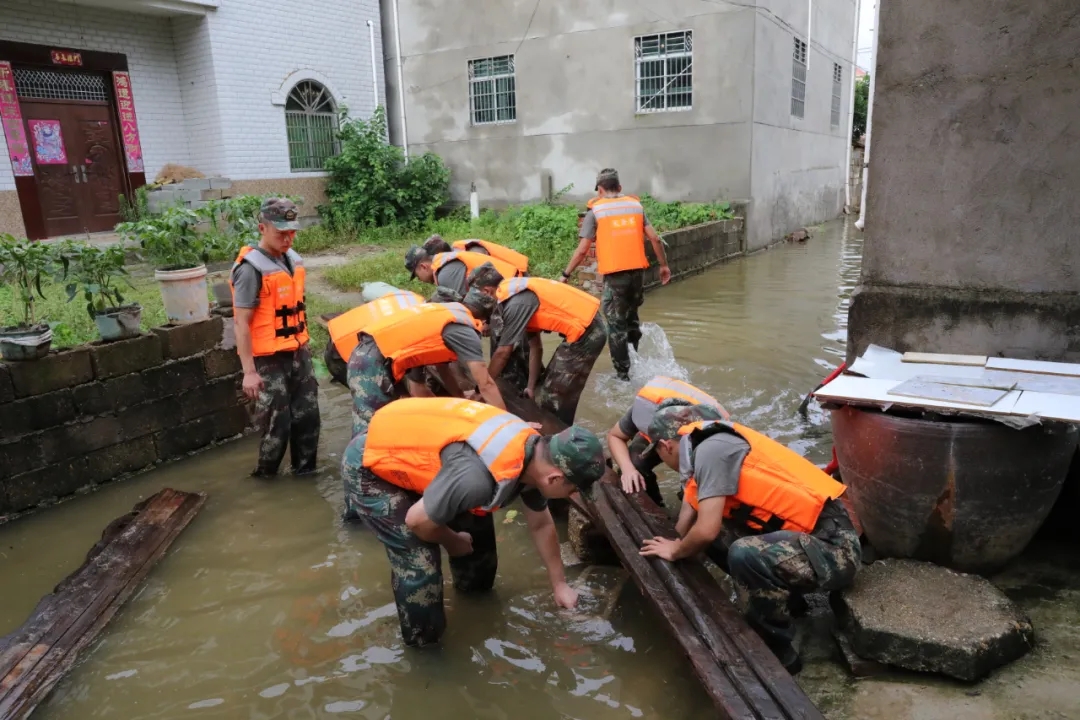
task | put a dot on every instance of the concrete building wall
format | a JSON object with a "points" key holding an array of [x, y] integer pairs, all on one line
{"points": [[199, 91], [971, 205]]}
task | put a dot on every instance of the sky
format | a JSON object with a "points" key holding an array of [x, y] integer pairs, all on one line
{"points": [[866, 35]]}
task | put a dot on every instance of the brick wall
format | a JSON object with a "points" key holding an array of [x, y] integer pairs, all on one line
{"points": [[88, 415]]}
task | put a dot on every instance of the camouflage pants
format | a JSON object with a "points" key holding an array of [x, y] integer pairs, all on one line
{"points": [[287, 412], [416, 566], [371, 384], [624, 293], [516, 371], [773, 566], [646, 465], [568, 371]]}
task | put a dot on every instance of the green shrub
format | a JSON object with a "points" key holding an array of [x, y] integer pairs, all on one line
{"points": [[180, 237], [24, 264], [98, 272], [674, 215]]}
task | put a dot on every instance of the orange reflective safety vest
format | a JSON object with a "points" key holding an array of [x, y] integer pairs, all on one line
{"points": [[472, 261], [662, 388], [778, 488], [279, 323], [405, 438], [345, 328], [497, 251], [620, 234], [413, 337], [563, 309]]}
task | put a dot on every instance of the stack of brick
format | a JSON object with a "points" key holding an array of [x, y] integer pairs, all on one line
{"points": [[192, 193], [88, 415]]}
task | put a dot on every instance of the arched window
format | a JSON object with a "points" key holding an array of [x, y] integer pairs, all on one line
{"points": [[311, 122]]}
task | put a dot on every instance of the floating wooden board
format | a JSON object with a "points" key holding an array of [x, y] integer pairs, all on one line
{"points": [[35, 657], [966, 395], [851, 389], [944, 359], [1034, 366]]}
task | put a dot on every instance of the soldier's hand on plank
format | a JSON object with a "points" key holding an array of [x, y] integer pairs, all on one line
{"points": [[565, 596], [632, 481], [529, 393], [660, 547], [253, 385], [462, 545], [536, 426]]}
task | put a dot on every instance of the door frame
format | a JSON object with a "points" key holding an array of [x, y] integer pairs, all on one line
{"points": [[32, 55]]}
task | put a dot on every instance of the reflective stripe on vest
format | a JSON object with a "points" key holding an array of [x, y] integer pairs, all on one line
{"points": [[563, 309], [345, 328], [620, 234], [662, 388], [472, 260], [497, 251], [778, 488], [395, 451], [413, 336], [279, 323]]}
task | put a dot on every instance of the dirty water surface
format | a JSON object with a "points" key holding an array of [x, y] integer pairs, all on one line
{"points": [[269, 606]]}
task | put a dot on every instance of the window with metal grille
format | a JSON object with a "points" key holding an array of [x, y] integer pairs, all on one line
{"points": [[798, 80], [311, 125], [44, 84], [492, 90], [664, 70], [837, 81]]}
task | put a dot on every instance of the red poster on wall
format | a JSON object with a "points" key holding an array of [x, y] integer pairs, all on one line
{"points": [[129, 127], [17, 147]]}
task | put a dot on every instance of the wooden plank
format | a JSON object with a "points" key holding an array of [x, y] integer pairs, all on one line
{"points": [[944, 359], [849, 389], [1053, 384], [35, 657], [1034, 366], [965, 395]]}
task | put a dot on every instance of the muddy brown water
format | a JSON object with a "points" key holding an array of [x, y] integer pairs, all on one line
{"points": [[268, 606]]}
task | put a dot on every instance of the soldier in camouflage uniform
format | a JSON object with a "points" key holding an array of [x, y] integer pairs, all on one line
{"points": [[272, 343], [552, 467], [772, 563]]}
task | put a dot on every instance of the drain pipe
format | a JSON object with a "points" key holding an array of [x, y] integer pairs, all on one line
{"points": [[400, 83], [809, 26], [861, 222], [374, 66], [851, 107]]}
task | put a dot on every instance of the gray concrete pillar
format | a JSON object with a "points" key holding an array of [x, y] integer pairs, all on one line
{"points": [[973, 207]]}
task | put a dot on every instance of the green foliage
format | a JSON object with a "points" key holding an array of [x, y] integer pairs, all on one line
{"points": [[137, 208], [387, 266], [548, 234], [371, 184], [24, 264], [665, 217], [97, 272], [862, 99]]}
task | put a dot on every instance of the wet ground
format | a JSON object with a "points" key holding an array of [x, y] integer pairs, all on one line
{"points": [[269, 606]]}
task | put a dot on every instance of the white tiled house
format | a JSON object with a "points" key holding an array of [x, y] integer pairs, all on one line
{"points": [[244, 89]]}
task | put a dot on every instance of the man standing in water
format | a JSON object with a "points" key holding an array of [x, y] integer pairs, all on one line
{"points": [[618, 226], [272, 342], [429, 472], [766, 515]]}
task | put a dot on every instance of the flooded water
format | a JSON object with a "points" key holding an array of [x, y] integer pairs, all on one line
{"points": [[269, 606]]}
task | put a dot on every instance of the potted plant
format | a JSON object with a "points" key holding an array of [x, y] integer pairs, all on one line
{"points": [[22, 265], [98, 272], [173, 244]]}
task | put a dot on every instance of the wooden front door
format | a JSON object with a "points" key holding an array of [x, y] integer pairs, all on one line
{"points": [[83, 194]]}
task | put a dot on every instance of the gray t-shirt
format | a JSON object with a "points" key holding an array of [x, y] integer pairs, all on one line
{"points": [[627, 425], [717, 463], [516, 312], [588, 225], [464, 483], [247, 281], [452, 275]]}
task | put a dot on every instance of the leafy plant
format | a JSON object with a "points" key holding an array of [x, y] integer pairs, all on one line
{"points": [[674, 215], [24, 264], [97, 272], [862, 98], [137, 207], [171, 240], [372, 185]]}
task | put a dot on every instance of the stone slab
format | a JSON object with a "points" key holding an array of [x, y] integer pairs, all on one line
{"points": [[108, 463], [106, 397], [7, 391], [181, 341], [919, 616], [37, 413], [21, 456], [110, 360], [38, 486], [220, 362], [53, 372], [173, 378], [209, 398], [150, 417]]}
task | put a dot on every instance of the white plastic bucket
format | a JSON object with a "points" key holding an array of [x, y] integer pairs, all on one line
{"points": [[184, 294], [374, 290]]}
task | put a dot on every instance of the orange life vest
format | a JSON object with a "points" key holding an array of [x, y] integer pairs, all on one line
{"points": [[497, 251], [279, 323], [405, 438], [778, 488], [563, 309], [345, 328], [620, 234], [472, 261], [662, 388], [413, 337]]}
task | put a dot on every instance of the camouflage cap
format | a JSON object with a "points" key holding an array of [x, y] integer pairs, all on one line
{"points": [[414, 257], [435, 245], [606, 174], [578, 453], [673, 414], [280, 212], [479, 304], [485, 276], [444, 295]]}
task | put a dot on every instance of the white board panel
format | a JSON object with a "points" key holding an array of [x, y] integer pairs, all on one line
{"points": [[848, 388], [962, 394], [1034, 366], [1052, 407]]}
